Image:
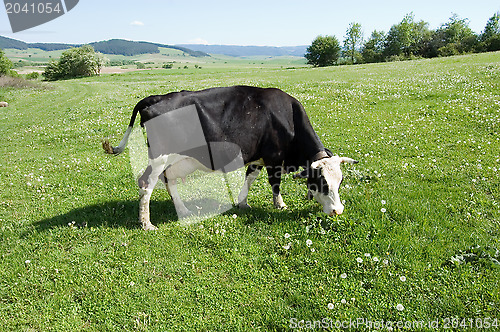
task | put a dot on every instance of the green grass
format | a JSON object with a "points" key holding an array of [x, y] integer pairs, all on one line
{"points": [[426, 134]]}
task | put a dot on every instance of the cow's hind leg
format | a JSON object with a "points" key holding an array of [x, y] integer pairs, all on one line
{"points": [[180, 208], [251, 174], [274, 175]]}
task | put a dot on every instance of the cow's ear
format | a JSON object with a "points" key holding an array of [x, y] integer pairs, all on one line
{"points": [[302, 175]]}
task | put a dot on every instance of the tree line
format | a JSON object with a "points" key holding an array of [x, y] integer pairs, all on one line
{"points": [[408, 39]]}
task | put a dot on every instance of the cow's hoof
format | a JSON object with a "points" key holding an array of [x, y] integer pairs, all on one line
{"points": [[149, 227], [244, 206]]}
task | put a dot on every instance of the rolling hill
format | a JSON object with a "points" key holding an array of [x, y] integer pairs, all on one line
{"points": [[113, 46], [131, 48]]}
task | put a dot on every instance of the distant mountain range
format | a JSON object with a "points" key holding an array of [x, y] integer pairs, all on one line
{"points": [[239, 51], [130, 48], [113, 46]]}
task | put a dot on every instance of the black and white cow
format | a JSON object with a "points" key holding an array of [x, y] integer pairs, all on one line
{"points": [[269, 126]]}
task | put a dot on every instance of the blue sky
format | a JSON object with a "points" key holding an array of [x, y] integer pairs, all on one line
{"points": [[253, 22]]}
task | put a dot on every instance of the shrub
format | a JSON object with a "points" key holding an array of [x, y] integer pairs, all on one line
{"points": [[33, 76], [5, 64], [75, 62]]}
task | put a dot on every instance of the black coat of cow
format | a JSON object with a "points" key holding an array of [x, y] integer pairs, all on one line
{"points": [[266, 123]]}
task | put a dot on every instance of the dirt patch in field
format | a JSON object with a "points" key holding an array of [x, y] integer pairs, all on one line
{"points": [[117, 70]]}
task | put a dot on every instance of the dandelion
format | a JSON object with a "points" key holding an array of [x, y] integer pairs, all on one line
{"points": [[330, 306], [287, 235], [402, 278], [343, 275], [309, 242], [400, 307], [359, 260]]}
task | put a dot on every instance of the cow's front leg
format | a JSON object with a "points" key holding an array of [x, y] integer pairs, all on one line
{"points": [[274, 175], [180, 208], [251, 174]]}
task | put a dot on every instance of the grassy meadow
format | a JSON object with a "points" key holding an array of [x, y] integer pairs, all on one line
{"points": [[418, 240]]}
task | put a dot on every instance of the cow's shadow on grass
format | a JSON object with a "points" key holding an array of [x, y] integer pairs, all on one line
{"points": [[124, 214], [112, 214]]}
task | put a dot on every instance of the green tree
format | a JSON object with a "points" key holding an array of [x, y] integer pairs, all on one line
{"points": [[324, 51], [352, 41], [490, 38], [75, 62], [406, 37], [373, 48], [5, 64], [455, 37]]}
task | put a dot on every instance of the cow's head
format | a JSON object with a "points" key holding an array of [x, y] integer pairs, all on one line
{"points": [[323, 181]]}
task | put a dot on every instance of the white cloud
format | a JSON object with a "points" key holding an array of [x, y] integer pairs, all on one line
{"points": [[137, 23], [198, 41]]}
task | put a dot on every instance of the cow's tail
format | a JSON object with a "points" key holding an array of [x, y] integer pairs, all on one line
{"points": [[123, 143]]}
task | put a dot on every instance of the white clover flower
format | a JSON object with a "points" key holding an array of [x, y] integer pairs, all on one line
{"points": [[330, 306], [343, 275], [383, 202], [359, 260], [400, 307], [402, 278], [235, 216], [287, 246], [385, 261], [375, 259], [383, 210], [343, 301], [287, 235], [367, 255], [309, 242], [313, 250], [27, 261]]}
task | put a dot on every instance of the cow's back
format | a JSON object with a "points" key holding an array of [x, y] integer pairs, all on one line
{"points": [[258, 120]]}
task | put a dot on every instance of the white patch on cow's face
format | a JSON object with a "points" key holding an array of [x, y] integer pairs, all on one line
{"points": [[329, 170], [327, 194]]}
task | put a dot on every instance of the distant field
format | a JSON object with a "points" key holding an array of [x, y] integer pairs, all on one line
{"points": [[30, 57], [418, 241]]}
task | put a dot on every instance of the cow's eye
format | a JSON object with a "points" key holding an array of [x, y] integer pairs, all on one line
{"points": [[313, 187]]}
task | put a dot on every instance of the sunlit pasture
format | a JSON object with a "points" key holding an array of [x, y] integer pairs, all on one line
{"points": [[418, 240]]}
